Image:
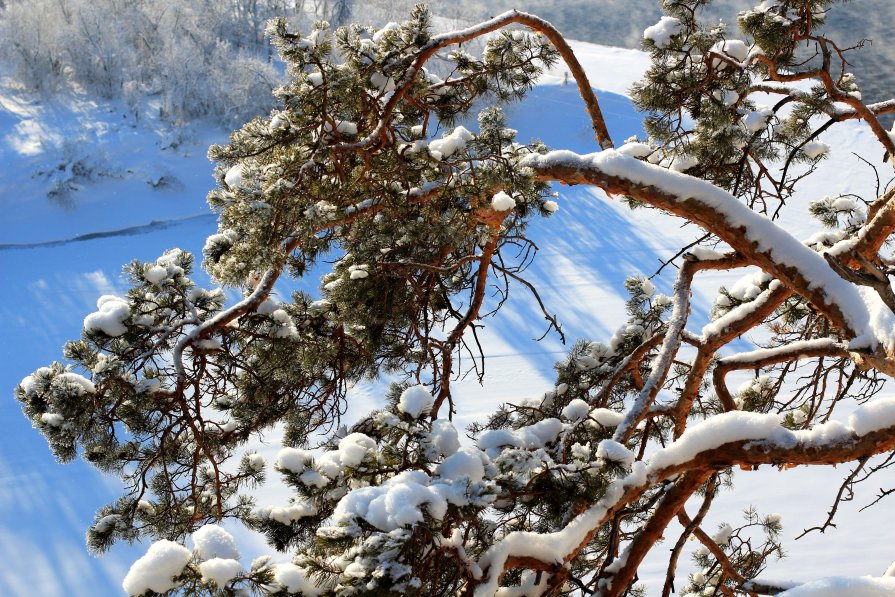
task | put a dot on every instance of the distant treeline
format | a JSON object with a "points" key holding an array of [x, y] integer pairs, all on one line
{"points": [[210, 58], [199, 58]]}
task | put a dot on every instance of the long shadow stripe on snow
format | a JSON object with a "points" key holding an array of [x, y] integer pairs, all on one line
{"points": [[129, 231]]}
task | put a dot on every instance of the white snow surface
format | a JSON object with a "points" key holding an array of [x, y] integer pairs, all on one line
{"points": [[874, 415], [662, 32], [110, 316], [233, 177], [294, 580], [713, 432], [467, 462], [757, 120], [81, 384], [353, 448], [502, 202], [576, 410], [530, 437], [288, 514], [444, 436], [416, 401], [294, 460], [155, 274], [815, 149], [155, 571], [451, 143], [219, 570], [606, 417], [52, 419], [615, 452], [764, 233], [865, 586], [734, 48], [396, 503], [213, 541]]}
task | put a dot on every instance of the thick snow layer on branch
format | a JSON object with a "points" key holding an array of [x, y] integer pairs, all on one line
{"points": [[155, 274], [109, 319], [802, 346], [502, 202], [733, 48], [288, 514], [416, 401], [154, 571], [467, 462], [530, 437], [294, 580], [451, 143], [212, 541], [445, 437], [662, 32], [873, 416], [615, 452], [52, 419], [294, 460], [768, 237], [765, 428], [881, 328], [345, 127], [757, 120], [233, 177], [831, 432], [220, 571], [81, 384], [713, 432], [865, 586], [705, 254], [553, 547], [396, 503], [636, 149], [815, 149], [606, 417], [576, 410], [353, 448]]}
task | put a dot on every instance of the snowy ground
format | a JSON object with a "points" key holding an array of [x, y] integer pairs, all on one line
{"points": [[147, 195]]}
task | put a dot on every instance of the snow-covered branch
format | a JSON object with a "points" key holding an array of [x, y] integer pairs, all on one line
{"points": [[769, 246]]}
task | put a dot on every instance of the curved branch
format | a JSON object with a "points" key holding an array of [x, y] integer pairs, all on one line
{"points": [[537, 24], [714, 209], [670, 344], [764, 442], [672, 503], [756, 359], [689, 526]]}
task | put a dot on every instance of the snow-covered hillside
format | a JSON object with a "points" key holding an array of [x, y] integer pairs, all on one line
{"points": [[125, 190]]}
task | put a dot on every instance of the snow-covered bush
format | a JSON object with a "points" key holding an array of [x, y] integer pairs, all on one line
{"points": [[73, 163], [365, 168]]}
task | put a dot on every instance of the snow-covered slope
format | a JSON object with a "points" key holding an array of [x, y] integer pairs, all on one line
{"points": [[147, 194]]}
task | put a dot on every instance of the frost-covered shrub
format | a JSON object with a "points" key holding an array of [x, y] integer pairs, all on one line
{"points": [[72, 163]]}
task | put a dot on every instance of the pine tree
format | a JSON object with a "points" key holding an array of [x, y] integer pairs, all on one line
{"points": [[369, 158]]}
